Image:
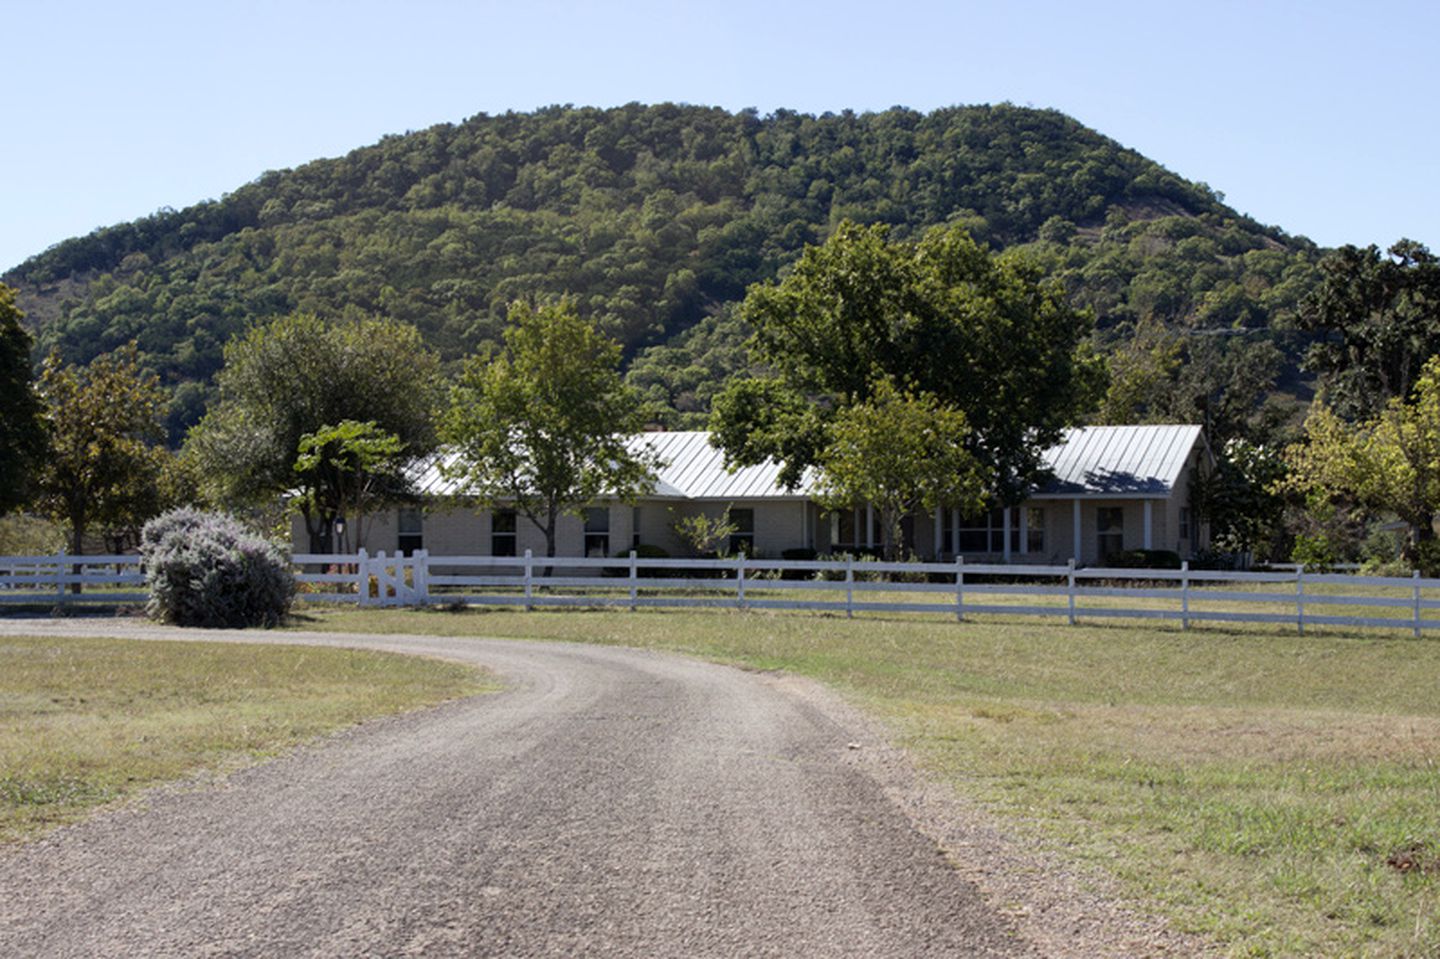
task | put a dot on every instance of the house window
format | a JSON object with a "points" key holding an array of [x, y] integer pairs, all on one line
{"points": [[743, 539], [1184, 522], [635, 528], [411, 526], [1035, 529], [502, 532], [1110, 530], [597, 531], [845, 529], [985, 533]]}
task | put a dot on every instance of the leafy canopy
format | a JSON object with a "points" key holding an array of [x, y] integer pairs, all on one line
{"points": [[22, 428], [901, 453], [104, 460], [1389, 464], [301, 374], [982, 334], [1379, 317], [350, 469], [542, 427]]}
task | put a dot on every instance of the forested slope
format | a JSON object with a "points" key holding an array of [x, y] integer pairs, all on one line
{"points": [[654, 218]]}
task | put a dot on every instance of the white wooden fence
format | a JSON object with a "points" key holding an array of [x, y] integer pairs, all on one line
{"points": [[62, 580], [847, 586], [851, 586]]}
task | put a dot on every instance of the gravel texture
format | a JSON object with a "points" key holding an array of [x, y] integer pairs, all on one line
{"points": [[610, 802]]}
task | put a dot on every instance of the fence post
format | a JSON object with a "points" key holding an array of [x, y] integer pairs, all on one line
{"points": [[849, 586], [740, 580], [1071, 590], [1415, 577], [529, 581], [362, 577], [421, 560], [634, 581], [382, 573], [1300, 598], [1185, 594], [60, 578], [959, 589]]}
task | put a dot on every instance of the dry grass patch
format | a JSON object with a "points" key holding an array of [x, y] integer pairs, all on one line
{"points": [[87, 721]]}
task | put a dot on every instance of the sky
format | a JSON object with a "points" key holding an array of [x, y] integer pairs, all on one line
{"points": [[1308, 116]]}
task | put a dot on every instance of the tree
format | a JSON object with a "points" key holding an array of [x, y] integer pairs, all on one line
{"points": [[22, 428], [299, 375], [104, 460], [901, 453], [1379, 319], [350, 469], [941, 316], [543, 427], [706, 534], [1388, 464]]}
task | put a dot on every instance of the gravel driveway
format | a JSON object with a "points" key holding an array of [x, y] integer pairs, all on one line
{"points": [[610, 802]]}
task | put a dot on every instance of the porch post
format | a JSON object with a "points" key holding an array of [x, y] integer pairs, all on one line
{"points": [[939, 533], [870, 526], [1149, 521], [1005, 531], [1075, 547]]}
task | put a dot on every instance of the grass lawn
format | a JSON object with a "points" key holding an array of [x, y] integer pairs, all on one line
{"points": [[1279, 793], [86, 721]]}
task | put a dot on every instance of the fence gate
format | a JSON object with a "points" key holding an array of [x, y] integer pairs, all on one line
{"points": [[392, 586]]}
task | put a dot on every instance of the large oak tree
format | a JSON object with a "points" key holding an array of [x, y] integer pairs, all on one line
{"points": [[982, 334]]}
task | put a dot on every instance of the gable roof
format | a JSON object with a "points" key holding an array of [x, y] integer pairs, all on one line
{"points": [[1113, 461], [1119, 461]]}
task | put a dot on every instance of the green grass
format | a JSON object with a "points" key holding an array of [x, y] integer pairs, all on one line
{"points": [[87, 721], [1249, 783]]}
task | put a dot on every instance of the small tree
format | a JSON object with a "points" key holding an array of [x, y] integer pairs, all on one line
{"points": [[350, 469], [1388, 464], [706, 534], [900, 452], [104, 462], [543, 428]]}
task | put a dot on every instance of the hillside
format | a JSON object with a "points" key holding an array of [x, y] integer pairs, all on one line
{"points": [[654, 218]]}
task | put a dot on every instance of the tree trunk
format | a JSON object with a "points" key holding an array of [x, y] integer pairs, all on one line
{"points": [[77, 546]]}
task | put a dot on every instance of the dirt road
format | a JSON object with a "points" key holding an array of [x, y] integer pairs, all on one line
{"points": [[610, 802]]}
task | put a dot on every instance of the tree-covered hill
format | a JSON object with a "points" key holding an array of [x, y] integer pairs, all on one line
{"points": [[653, 218]]}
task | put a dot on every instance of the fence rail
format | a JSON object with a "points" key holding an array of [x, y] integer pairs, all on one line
{"points": [[847, 586], [63, 579]]}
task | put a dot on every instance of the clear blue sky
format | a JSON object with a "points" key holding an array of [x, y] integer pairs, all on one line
{"points": [[1312, 116]]}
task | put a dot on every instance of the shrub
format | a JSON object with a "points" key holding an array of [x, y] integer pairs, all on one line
{"points": [[1143, 559], [206, 569]]}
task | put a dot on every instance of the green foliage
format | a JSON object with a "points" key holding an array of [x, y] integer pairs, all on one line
{"points": [[705, 535], [941, 315], [902, 453], [299, 375], [1389, 464], [653, 218], [104, 460], [1244, 501], [22, 428], [206, 569], [350, 469], [542, 427], [1380, 320]]}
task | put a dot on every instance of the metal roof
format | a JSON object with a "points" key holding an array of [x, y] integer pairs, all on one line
{"points": [[693, 469], [1138, 461], [1133, 461]]}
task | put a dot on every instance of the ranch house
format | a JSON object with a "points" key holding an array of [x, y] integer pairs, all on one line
{"points": [[1112, 488]]}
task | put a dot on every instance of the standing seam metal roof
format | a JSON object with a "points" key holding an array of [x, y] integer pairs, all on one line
{"points": [[1138, 461]]}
